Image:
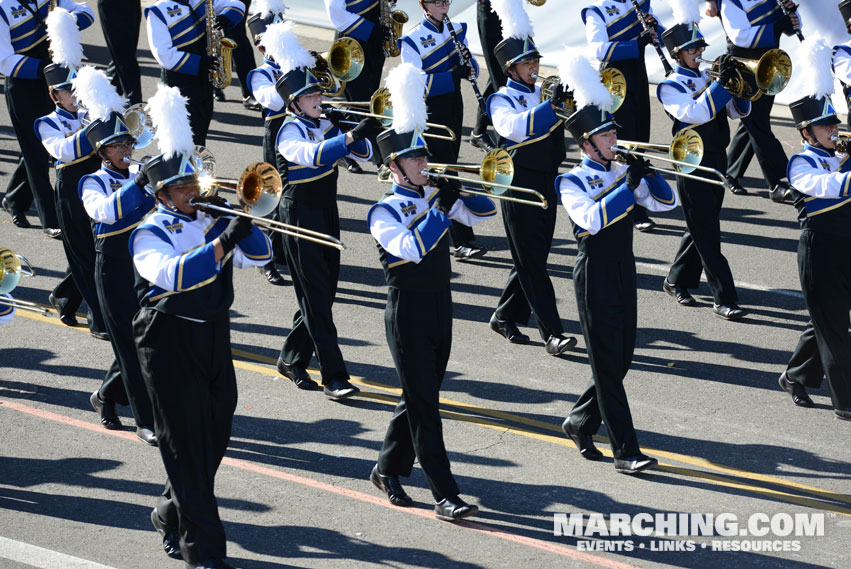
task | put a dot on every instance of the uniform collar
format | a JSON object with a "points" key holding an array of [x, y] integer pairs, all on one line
{"points": [[408, 191], [114, 172], [271, 63], [62, 112], [431, 26], [818, 151], [306, 120], [519, 86], [682, 70], [589, 162], [178, 214]]}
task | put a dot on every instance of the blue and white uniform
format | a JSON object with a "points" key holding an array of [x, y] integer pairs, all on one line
{"points": [[261, 83], [842, 69], [63, 136], [349, 17], [751, 23]]}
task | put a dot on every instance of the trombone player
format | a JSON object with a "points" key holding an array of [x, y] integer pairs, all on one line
{"points": [[311, 146], [532, 132], [696, 102]]}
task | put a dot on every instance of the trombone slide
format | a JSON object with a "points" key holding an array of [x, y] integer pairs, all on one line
{"points": [[721, 181], [25, 305], [487, 188]]}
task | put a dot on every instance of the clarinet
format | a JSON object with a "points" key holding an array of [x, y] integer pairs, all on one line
{"points": [[465, 59], [787, 12], [642, 18]]}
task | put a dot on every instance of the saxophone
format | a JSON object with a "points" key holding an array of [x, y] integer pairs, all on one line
{"points": [[219, 49], [392, 20]]}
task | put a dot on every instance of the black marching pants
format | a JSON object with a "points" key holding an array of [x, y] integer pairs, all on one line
{"points": [[804, 366], [243, 55], [120, 21], [754, 136], [273, 157], [419, 333], [315, 271], [490, 34], [700, 247], [199, 91], [188, 370], [824, 266], [18, 194], [27, 100], [607, 303], [68, 296], [114, 278], [530, 229]]}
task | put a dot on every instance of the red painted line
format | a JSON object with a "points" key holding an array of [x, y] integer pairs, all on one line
{"points": [[562, 550]]}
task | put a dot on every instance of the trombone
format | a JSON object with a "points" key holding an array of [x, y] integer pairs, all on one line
{"points": [[25, 305], [381, 107], [685, 152], [613, 79], [496, 172], [12, 268], [258, 190], [754, 78], [342, 63]]}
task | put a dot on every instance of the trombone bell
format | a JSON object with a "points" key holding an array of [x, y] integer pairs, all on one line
{"points": [[12, 268]]}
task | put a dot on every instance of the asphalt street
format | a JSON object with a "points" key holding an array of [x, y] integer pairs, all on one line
{"points": [[294, 488]]}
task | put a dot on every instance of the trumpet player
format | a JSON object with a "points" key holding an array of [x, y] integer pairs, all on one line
{"points": [[410, 226], [753, 27], [697, 103], [185, 260], [820, 176], [311, 146], [533, 134], [116, 203], [600, 195], [178, 37], [841, 63]]}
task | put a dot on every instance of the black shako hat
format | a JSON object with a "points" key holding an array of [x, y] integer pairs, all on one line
{"points": [[589, 120], [682, 37], [811, 111]]}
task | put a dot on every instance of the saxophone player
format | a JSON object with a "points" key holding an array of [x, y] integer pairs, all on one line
{"points": [[179, 33]]}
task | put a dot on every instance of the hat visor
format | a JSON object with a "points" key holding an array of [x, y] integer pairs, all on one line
{"points": [[176, 181], [115, 139], [699, 42], [412, 152], [306, 90], [821, 121]]}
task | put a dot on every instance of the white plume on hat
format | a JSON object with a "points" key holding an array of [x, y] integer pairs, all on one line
{"points": [[515, 21], [170, 117], [95, 92], [282, 44], [816, 74], [686, 11], [64, 37], [407, 85], [268, 7], [577, 73]]}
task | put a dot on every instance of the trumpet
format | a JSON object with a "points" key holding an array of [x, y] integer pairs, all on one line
{"points": [[342, 63], [613, 79], [258, 190], [768, 75], [685, 152], [842, 140], [12, 268], [496, 172], [25, 305], [381, 108], [141, 162]]}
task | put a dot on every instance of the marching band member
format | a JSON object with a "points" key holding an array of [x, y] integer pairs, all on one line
{"points": [[821, 179], [62, 134], [429, 46], [615, 34], [23, 57], [311, 146], [185, 259], [116, 203], [261, 82], [697, 103], [842, 57], [599, 195], [753, 27], [361, 20], [410, 226], [534, 136], [177, 36]]}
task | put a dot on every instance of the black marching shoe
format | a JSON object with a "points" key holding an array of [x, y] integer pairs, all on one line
{"points": [[339, 389], [390, 485], [645, 225], [735, 186], [18, 218], [219, 95], [106, 409], [251, 103], [558, 344], [171, 539], [680, 293], [508, 329], [796, 390], [634, 464], [147, 435], [843, 414], [585, 443], [468, 251], [99, 334], [352, 166], [454, 508], [298, 375], [52, 232], [270, 271], [780, 192], [67, 318], [482, 141], [210, 564], [728, 311]]}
